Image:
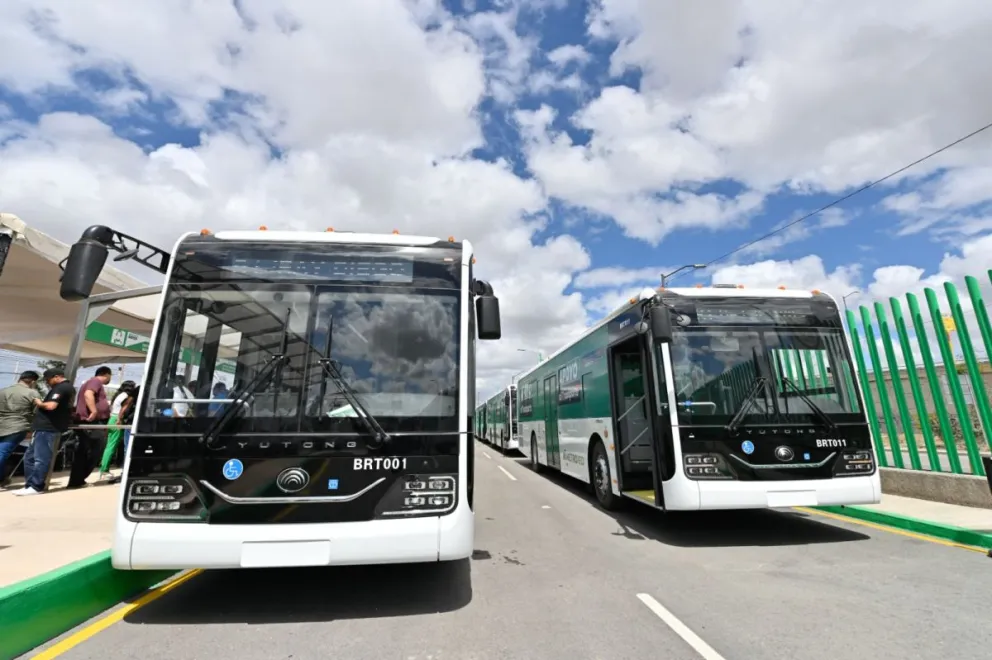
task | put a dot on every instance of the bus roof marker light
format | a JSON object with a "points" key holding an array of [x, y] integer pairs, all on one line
{"points": [[263, 228], [396, 231], [451, 239], [205, 232], [329, 229]]}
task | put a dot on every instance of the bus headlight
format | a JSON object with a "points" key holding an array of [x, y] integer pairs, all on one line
{"points": [[706, 466], [419, 495], [163, 499], [854, 463]]}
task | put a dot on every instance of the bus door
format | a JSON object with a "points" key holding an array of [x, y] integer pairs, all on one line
{"points": [[551, 421], [662, 441]]}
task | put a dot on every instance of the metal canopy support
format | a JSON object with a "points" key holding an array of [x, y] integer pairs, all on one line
{"points": [[89, 311]]}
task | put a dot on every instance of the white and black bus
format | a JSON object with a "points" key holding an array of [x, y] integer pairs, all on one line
{"points": [[307, 399]]}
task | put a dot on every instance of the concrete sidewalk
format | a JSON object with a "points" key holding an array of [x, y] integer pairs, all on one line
{"points": [[966, 517], [43, 532], [963, 525]]}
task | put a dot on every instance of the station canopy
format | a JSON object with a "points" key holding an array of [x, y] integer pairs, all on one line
{"points": [[35, 320]]}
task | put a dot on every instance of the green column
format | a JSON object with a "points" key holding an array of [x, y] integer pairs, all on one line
{"points": [[940, 409], [915, 389], [883, 391], [859, 359], [890, 358], [947, 355], [821, 368], [974, 373]]}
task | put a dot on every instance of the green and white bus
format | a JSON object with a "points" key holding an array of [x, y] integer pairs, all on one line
{"points": [[496, 420], [706, 398]]}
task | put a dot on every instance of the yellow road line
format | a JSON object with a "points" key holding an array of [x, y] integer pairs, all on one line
{"points": [[892, 530], [110, 619]]}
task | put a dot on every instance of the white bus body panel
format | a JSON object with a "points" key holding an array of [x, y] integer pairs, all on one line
{"points": [[148, 545]]}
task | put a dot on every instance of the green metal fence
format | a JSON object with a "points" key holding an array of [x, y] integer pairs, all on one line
{"points": [[935, 424]]}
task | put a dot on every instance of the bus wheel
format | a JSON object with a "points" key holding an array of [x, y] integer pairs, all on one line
{"points": [[537, 467], [601, 478]]}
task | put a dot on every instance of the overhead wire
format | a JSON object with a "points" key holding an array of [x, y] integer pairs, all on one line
{"points": [[844, 198]]}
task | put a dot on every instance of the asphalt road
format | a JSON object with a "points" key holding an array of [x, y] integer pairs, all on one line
{"points": [[555, 577]]}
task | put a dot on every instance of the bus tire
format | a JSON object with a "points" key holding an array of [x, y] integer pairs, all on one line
{"points": [[600, 477], [537, 467]]}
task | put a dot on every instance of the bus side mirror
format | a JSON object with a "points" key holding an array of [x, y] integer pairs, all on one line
{"points": [[86, 260], [661, 324], [487, 317]]}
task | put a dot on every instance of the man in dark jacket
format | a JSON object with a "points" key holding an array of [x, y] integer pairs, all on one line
{"points": [[52, 418]]}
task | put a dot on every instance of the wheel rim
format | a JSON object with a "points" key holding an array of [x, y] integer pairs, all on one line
{"points": [[601, 474]]}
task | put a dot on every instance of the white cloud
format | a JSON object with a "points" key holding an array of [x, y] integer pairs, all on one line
{"points": [[800, 97], [374, 115], [374, 110]]}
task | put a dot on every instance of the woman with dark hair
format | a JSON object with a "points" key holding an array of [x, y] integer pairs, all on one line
{"points": [[114, 434]]}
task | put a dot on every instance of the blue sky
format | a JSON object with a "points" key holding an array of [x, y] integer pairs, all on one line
{"points": [[582, 146]]}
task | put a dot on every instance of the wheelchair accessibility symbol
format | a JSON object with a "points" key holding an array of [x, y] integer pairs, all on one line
{"points": [[232, 469]]}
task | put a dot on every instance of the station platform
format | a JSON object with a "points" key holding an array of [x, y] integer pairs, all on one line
{"points": [[43, 532]]}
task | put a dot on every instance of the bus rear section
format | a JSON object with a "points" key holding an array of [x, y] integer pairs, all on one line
{"points": [[306, 403]]}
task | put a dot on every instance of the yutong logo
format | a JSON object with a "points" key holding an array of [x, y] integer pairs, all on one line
{"points": [[306, 444], [292, 480]]}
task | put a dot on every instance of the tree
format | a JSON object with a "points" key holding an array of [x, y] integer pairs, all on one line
{"points": [[51, 364]]}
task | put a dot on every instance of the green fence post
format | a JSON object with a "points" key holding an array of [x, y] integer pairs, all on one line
{"points": [[859, 359], [974, 373], [915, 389], [890, 358], [821, 367], [947, 355], [981, 313], [940, 410], [883, 391]]}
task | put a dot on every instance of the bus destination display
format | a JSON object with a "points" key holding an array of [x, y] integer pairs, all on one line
{"points": [[333, 269], [764, 315]]}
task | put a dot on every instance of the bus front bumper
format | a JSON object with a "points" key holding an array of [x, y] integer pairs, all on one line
{"points": [[149, 545], [717, 495]]}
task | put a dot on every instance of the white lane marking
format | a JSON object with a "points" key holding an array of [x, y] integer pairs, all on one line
{"points": [[545, 506], [506, 472], [486, 455], [692, 639]]}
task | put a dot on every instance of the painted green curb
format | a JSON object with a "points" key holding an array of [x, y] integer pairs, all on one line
{"points": [[41, 608], [946, 532]]}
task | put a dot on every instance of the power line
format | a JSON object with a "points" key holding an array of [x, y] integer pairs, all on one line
{"points": [[846, 197]]}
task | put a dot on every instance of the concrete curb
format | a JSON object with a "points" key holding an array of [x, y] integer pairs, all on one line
{"points": [[946, 532], [41, 608]]}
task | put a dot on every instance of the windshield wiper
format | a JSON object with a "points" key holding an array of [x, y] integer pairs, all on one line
{"points": [[221, 422], [824, 417], [368, 421], [752, 395]]}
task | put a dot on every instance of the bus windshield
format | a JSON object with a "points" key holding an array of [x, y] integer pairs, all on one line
{"points": [[716, 368], [395, 350]]}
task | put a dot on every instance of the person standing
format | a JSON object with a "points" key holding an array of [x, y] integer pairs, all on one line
{"points": [[52, 418], [92, 407], [16, 414], [114, 434]]}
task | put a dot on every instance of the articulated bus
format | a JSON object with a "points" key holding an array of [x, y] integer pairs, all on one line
{"points": [[706, 398], [499, 420], [345, 437]]}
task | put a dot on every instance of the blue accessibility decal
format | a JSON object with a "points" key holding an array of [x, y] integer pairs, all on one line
{"points": [[232, 469], [332, 484], [747, 447]]}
